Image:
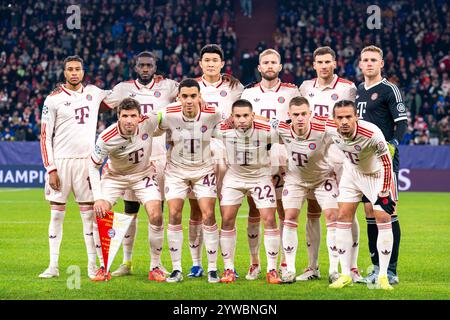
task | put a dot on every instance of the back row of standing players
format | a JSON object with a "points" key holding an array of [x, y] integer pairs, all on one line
{"points": [[377, 100]]}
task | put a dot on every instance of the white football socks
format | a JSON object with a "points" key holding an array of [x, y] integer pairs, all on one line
{"points": [[55, 232]]}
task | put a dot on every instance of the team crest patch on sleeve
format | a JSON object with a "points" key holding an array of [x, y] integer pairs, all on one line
{"points": [[44, 110], [401, 107]]}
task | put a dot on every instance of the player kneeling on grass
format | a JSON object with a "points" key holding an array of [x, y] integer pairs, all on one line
{"points": [[367, 171], [128, 146], [246, 142], [308, 177]]}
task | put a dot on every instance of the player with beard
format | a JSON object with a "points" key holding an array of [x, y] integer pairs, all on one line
{"points": [[270, 98]]}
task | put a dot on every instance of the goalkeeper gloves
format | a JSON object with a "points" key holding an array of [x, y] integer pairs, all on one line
{"points": [[392, 145], [386, 203]]}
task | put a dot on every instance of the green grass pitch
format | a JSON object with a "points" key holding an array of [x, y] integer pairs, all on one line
{"points": [[24, 215]]}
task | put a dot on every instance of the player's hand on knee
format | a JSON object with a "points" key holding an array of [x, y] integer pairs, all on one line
{"points": [[386, 203], [54, 181]]}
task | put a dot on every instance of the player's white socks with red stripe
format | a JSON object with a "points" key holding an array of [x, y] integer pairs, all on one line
{"points": [[355, 245], [156, 240], [98, 246], [175, 241], [254, 238], [282, 258], [332, 248], [196, 241], [385, 242], [87, 216], [344, 245], [211, 238], [290, 243], [128, 240], [313, 239], [228, 247], [55, 232], [272, 244]]}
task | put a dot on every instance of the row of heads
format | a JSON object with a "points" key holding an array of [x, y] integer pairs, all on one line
{"points": [[216, 49], [189, 83]]}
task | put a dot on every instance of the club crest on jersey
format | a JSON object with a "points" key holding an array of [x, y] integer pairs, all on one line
{"points": [[281, 100], [145, 136], [89, 97], [256, 143], [157, 94], [312, 146], [285, 192], [334, 97], [111, 233], [401, 107], [358, 147], [203, 129], [223, 93], [374, 96]]}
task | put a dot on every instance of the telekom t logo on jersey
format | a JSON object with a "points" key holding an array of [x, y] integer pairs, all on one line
{"points": [[300, 158], [353, 157], [136, 156], [80, 114], [267, 113], [321, 109]]}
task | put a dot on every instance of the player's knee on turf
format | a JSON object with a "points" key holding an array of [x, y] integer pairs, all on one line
{"points": [[131, 207]]}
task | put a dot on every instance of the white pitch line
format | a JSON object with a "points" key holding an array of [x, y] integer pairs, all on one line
{"points": [[13, 190]]}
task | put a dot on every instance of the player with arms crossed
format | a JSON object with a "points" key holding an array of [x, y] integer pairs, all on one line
{"points": [[248, 174], [380, 102], [322, 93], [189, 126], [269, 98], [69, 122], [220, 91], [367, 171], [308, 177], [153, 93]]}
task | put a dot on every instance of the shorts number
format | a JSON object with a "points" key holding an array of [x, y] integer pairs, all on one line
{"points": [[278, 183], [150, 182], [328, 185], [259, 191], [89, 183], [208, 182]]}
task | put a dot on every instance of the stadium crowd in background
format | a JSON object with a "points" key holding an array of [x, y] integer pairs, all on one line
{"points": [[414, 36]]}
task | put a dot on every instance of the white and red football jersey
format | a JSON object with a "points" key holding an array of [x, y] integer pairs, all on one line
{"points": [[322, 98], [69, 123], [126, 154], [220, 94], [306, 153], [247, 154], [152, 97], [366, 150], [189, 138], [271, 103]]}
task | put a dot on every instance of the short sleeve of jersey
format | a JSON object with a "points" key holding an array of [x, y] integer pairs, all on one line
{"points": [[396, 104]]}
